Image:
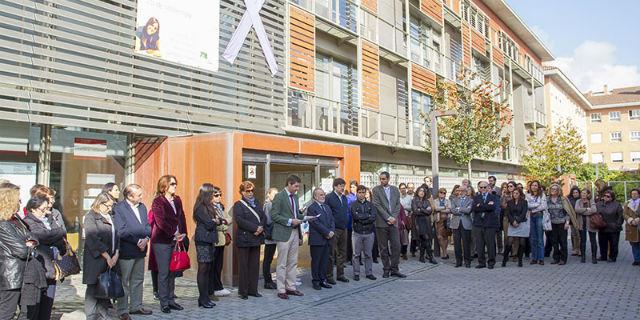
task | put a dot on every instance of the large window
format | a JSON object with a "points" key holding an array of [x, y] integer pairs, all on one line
{"points": [[614, 116], [596, 137], [425, 45], [420, 108], [336, 96], [595, 117]]}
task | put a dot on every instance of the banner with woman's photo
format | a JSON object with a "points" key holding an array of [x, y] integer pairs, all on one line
{"points": [[182, 31]]}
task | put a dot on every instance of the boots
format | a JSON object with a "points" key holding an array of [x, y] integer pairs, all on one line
{"points": [[422, 250], [594, 258], [505, 256], [430, 258], [520, 254]]}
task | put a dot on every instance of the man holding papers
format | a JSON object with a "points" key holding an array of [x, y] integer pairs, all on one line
{"points": [[321, 231]]}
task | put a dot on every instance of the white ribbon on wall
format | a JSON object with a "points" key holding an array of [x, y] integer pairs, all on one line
{"points": [[251, 18]]}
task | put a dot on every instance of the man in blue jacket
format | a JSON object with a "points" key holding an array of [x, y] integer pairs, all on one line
{"points": [[130, 219], [486, 220], [338, 203], [321, 231]]}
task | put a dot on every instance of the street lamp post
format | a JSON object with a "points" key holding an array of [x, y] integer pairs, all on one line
{"points": [[435, 166]]}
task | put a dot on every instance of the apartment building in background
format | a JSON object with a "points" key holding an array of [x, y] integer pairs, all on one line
{"points": [[614, 127], [564, 103]]}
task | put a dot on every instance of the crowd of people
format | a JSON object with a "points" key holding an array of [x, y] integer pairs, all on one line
{"points": [[353, 227]]}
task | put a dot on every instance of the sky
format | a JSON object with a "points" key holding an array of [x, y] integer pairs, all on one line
{"points": [[595, 42]]}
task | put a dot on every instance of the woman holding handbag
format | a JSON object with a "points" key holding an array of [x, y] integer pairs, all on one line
{"points": [[169, 229], [224, 239], [609, 236], [101, 252], [562, 216], [52, 245], [585, 209], [251, 220], [206, 236]]}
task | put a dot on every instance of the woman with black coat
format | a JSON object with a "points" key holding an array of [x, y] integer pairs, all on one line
{"points": [[519, 229], [422, 207], [609, 237], [250, 220], [206, 236], [50, 236], [101, 252]]}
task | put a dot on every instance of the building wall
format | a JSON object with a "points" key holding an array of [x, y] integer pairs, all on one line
{"points": [[563, 108], [607, 147]]}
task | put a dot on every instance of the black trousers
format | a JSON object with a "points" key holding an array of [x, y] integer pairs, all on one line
{"points": [[592, 239], [462, 244], [389, 244], [204, 270], [154, 281], [9, 300], [548, 243], [166, 279], [269, 252], [485, 238], [319, 262], [609, 244], [46, 304], [248, 270], [349, 245], [215, 277], [559, 242], [436, 244], [375, 253], [338, 255]]}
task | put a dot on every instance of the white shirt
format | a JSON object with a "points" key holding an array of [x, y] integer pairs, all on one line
{"points": [[136, 210], [113, 231]]}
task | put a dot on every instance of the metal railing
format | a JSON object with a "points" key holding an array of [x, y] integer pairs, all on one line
{"points": [[534, 115], [343, 13]]}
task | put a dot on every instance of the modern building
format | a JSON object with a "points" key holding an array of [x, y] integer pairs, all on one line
{"points": [[565, 103], [614, 128], [122, 90]]}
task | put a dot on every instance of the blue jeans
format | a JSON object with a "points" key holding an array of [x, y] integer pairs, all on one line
{"points": [[635, 248], [537, 239]]}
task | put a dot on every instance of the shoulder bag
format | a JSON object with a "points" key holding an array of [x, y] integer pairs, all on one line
{"points": [[109, 286], [67, 264], [179, 258], [597, 221]]}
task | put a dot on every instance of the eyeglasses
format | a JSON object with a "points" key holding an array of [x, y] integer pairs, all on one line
{"points": [[108, 206], [250, 191], [442, 192], [217, 195], [173, 184], [606, 196], [481, 187]]}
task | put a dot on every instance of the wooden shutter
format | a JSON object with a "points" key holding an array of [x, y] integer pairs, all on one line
{"points": [[432, 8], [478, 42], [423, 80], [466, 44], [302, 49], [498, 56], [370, 75]]}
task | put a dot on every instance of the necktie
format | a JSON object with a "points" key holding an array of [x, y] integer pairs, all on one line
{"points": [[484, 198], [293, 206]]}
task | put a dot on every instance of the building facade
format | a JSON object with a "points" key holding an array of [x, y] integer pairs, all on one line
{"points": [[112, 90], [614, 128], [565, 104]]}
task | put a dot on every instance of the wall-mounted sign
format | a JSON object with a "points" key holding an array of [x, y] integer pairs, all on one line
{"points": [[251, 172], [89, 148], [182, 31]]}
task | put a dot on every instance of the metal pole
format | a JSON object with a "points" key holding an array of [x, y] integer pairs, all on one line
{"points": [[435, 170]]}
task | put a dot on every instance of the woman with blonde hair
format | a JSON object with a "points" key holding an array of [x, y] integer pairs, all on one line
{"points": [[443, 209], [562, 214], [585, 207]]}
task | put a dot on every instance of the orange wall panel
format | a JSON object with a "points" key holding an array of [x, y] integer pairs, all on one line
{"points": [[422, 79], [478, 42], [302, 49], [466, 44], [371, 5], [370, 75], [433, 8], [498, 56]]}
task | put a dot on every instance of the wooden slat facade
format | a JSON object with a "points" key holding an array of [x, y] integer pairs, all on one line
{"points": [[454, 5], [423, 80], [370, 75], [466, 44], [433, 8], [478, 42], [498, 56], [370, 5], [302, 49]]}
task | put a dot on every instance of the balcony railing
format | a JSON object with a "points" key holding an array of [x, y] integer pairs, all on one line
{"points": [[341, 12], [534, 116], [392, 37]]}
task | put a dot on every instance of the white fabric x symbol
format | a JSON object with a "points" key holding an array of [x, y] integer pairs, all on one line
{"points": [[250, 18]]}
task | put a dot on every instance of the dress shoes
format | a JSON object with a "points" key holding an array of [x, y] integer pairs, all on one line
{"points": [[490, 267], [385, 274], [316, 286], [295, 293], [166, 309], [270, 286], [255, 295], [467, 265], [206, 305], [125, 316], [325, 285], [480, 266], [342, 279], [243, 296], [356, 277], [398, 275], [433, 261], [541, 262], [142, 311], [375, 260], [331, 281], [175, 306], [283, 296], [533, 262], [371, 277]]}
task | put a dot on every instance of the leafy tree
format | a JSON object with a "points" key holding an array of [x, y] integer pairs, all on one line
{"points": [[476, 131], [557, 152]]}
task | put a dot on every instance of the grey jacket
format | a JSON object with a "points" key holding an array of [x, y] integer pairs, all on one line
{"points": [[384, 208], [461, 212]]}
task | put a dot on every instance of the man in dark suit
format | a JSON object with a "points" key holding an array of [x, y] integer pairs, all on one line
{"points": [[321, 232], [486, 220], [337, 201], [386, 199], [130, 219]]}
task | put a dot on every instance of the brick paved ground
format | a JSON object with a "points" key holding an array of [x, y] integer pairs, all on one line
{"points": [[573, 291]]}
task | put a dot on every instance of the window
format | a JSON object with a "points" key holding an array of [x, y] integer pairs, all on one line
{"points": [[616, 157], [420, 105], [596, 137], [634, 136], [635, 156], [595, 117], [616, 136], [614, 116], [336, 89], [634, 114], [425, 47], [596, 158]]}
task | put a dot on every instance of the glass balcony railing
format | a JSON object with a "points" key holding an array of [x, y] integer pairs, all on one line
{"points": [[341, 12]]}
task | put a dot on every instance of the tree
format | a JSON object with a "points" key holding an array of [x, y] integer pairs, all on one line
{"points": [[557, 152], [476, 131]]}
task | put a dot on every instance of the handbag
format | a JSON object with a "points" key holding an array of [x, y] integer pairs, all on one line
{"points": [[109, 286], [597, 221], [546, 221], [227, 239], [67, 264], [179, 258]]}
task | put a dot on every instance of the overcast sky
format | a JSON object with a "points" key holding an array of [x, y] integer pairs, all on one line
{"points": [[595, 42]]}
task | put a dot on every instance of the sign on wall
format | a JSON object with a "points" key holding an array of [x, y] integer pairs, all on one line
{"points": [[182, 31]]}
